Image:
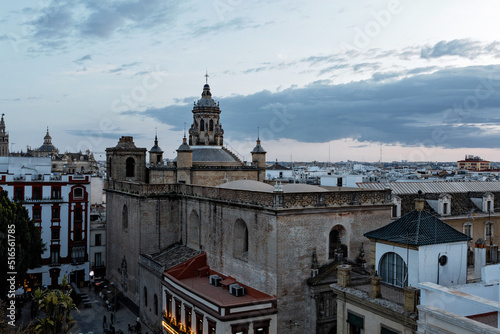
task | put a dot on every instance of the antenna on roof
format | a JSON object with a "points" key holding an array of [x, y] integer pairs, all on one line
{"points": [[258, 133], [184, 129]]}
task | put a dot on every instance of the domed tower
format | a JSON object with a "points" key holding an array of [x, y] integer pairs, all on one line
{"points": [[4, 139], [184, 162], [259, 160], [47, 149], [206, 128], [155, 154], [126, 162]]}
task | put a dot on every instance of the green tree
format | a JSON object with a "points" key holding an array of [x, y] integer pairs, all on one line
{"points": [[28, 245], [56, 306]]}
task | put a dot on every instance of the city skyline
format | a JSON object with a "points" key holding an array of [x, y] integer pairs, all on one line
{"points": [[317, 81]]}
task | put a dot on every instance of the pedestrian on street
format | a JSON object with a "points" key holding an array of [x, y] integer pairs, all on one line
{"points": [[112, 318], [104, 322]]}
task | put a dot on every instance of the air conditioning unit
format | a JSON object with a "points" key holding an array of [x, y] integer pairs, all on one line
{"points": [[236, 290], [215, 280]]}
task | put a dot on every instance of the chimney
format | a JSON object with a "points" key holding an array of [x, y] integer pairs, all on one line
{"points": [[411, 299], [344, 275], [375, 293], [479, 257], [419, 202]]}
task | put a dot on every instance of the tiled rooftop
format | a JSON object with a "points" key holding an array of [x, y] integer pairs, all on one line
{"points": [[418, 228], [194, 275]]}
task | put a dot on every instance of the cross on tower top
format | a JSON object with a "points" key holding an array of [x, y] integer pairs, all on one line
{"points": [[206, 77]]}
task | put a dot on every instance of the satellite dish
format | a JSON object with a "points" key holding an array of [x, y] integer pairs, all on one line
{"points": [[443, 259]]}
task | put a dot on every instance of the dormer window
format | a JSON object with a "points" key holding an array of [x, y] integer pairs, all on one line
{"points": [[444, 208], [488, 199], [396, 209]]}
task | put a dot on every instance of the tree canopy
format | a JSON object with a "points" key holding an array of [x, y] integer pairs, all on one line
{"points": [[27, 248]]}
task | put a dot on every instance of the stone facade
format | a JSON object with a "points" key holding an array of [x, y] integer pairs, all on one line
{"points": [[126, 162], [282, 232]]}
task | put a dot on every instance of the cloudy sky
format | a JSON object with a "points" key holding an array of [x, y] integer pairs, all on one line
{"points": [[321, 80]]}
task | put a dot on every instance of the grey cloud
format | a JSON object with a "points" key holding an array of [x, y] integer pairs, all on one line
{"points": [[91, 133], [125, 66], [361, 66], [237, 23], [61, 20], [410, 111], [83, 59], [464, 48]]}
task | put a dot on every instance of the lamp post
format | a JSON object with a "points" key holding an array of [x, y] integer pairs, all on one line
{"points": [[114, 302], [91, 275]]}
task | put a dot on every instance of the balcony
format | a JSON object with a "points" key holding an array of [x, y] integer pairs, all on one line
{"points": [[37, 178], [98, 264], [172, 327], [40, 200]]}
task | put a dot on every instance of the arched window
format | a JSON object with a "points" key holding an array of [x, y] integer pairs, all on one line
{"points": [[78, 193], [193, 236], [392, 268], [211, 125], [125, 217], [240, 245], [145, 296], [155, 301], [130, 167], [335, 245], [202, 125]]}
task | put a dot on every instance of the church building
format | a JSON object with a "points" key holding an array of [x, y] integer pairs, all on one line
{"points": [[216, 213]]}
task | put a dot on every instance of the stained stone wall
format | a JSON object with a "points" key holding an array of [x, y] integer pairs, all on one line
{"points": [[282, 233], [152, 225]]}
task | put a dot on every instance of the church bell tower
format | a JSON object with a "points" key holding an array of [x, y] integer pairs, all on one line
{"points": [[4, 139], [206, 128]]}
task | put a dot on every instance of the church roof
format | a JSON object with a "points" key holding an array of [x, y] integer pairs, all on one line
{"points": [[277, 166], [156, 148], [47, 148], [258, 148], [206, 100], [211, 154], [251, 185], [418, 228]]}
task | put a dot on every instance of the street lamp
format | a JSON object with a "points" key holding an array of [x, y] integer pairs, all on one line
{"points": [[91, 275]]}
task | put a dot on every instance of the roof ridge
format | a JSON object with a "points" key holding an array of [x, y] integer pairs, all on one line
{"points": [[419, 212]]}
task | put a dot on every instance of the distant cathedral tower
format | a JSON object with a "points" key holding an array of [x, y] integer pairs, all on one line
{"points": [[206, 128], [4, 139]]}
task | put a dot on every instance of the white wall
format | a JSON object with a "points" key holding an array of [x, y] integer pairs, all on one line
{"points": [[459, 302], [490, 273], [423, 264], [454, 272], [41, 165]]}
